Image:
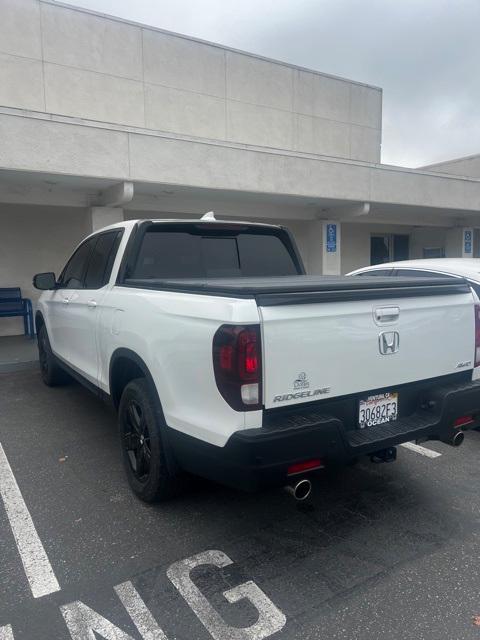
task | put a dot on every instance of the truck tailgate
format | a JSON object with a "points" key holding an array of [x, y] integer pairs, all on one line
{"points": [[325, 337], [334, 348]]}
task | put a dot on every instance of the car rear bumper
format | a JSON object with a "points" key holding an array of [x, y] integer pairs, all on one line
{"points": [[255, 458]]}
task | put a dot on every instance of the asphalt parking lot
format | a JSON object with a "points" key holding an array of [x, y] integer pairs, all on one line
{"points": [[384, 551]]}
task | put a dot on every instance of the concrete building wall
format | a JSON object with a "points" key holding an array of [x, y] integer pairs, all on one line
{"points": [[453, 242], [468, 167], [49, 144], [74, 63], [430, 238], [356, 242], [355, 246], [35, 239], [302, 235]]}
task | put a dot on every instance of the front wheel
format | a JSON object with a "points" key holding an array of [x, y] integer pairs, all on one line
{"points": [[144, 445]]}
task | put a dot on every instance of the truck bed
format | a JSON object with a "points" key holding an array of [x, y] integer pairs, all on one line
{"points": [[304, 289]]}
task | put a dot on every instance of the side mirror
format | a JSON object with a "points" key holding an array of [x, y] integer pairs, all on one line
{"points": [[45, 281]]}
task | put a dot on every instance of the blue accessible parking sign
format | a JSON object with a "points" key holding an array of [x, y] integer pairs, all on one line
{"points": [[331, 238], [467, 241]]}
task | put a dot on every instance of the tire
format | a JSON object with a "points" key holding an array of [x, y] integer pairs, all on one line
{"points": [[144, 445], [52, 374]]}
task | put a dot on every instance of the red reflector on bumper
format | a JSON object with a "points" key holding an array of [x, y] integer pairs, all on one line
{"points": [[301, 467], [463, 421]]}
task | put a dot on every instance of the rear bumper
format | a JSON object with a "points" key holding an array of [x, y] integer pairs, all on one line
{"points": [[255, 458]]}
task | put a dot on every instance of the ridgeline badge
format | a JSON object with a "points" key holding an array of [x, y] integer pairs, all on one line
{"points": [[301, 388]]}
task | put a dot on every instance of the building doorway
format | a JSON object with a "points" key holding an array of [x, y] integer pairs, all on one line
{"points": [[388, 247]]}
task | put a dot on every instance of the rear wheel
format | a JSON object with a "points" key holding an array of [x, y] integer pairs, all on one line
{"points": [[52, 374], [144, 445]]}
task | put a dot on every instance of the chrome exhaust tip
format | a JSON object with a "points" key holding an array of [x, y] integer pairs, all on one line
{"points": [[300, 490], [458, 439]]}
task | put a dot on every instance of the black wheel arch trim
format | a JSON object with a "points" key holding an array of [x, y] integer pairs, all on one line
{"points": [[128, 354], [125, 353], [39, 321]]}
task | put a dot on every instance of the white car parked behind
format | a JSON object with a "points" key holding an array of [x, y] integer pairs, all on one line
{"points": [[467, 268]]}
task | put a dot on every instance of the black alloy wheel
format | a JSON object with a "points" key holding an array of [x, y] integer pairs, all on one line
{"points": [[137, 441], [144, 444], [42, 352]]}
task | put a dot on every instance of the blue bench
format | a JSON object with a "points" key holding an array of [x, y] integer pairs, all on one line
{"points": [[12, 304]]}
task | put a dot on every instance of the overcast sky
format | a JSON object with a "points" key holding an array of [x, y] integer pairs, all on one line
{"points": [[425, 54]]}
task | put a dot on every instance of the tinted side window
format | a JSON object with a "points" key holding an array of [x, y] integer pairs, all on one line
{"points": [[376, 272], [413, 273], [101, 260], [168, 255], [72, 277]]}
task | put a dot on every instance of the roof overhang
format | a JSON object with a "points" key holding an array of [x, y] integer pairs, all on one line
{"points": [[82, 158]]}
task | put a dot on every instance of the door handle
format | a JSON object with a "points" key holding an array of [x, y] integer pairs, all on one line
{"points": [[385, 315], [92, 304], [65, 300]]}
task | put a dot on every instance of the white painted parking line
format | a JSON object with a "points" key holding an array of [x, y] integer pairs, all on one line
{"points": [[37, 566], [142, 618], [423, 451], [6, 633], [269, 621]]}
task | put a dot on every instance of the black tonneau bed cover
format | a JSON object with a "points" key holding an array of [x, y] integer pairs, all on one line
{"points": [[304, 289]]}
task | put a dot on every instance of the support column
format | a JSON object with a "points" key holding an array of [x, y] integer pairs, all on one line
{"points": [[107, 206], [103, 216], [460, 242]]}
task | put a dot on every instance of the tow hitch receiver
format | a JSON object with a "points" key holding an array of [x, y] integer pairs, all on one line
{"points": [[385, 455]]}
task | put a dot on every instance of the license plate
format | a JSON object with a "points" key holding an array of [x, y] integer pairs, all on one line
{"points": [[377, 409]]}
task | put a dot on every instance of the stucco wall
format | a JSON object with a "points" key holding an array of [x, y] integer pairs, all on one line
{"points": [[49, 144], [468, 167], [430, 238], [355, 246], [356, 242], [301, 231], [35, 239], [70, 62]]}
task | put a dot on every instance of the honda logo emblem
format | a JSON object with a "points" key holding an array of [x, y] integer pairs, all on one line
{"points": [[388, 342]]}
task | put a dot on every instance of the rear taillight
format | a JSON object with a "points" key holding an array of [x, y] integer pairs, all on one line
{"points": [[477, 334], [237, 363]]}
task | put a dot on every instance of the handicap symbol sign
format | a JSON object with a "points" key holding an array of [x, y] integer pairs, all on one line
{"points": [[467, 241], [331, 238]]}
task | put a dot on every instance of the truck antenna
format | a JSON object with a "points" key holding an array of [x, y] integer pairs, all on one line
{"points": [[209, 216]]}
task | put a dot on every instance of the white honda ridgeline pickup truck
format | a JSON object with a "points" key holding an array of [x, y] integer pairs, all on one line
{"points": [[223, 359]]}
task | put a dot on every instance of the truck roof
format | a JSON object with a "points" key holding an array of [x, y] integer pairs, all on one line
{"points": [[126, 224]]}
